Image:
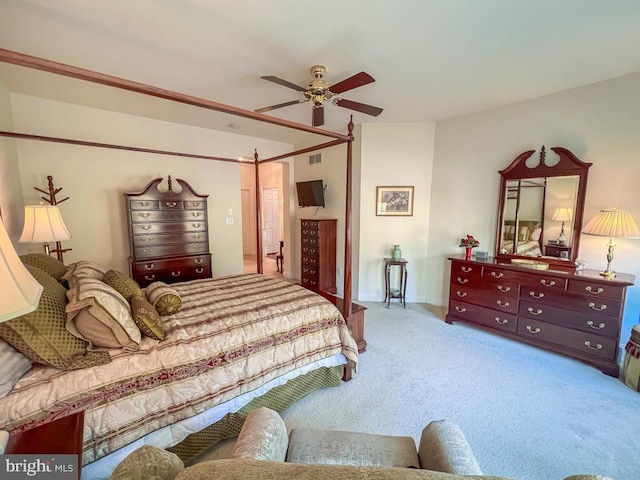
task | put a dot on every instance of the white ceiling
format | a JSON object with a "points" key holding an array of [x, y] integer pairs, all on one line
{"points": [[432, 59]]}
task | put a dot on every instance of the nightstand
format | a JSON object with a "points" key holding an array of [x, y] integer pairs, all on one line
{"points": [[560, 251], [62, 436]]}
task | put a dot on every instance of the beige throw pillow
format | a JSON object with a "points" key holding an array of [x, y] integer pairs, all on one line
{"points": [[149, 463]]}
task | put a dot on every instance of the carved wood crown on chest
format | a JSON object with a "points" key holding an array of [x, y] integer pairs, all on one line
{"points": [[168, 233]]}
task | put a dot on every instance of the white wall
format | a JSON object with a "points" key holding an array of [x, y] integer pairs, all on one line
{"points": [[95, 178], [599, 123]]}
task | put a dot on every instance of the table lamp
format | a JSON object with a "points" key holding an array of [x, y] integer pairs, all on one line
{"points": [[44, 224], [20, 292], [562, 215], [612, 223]]}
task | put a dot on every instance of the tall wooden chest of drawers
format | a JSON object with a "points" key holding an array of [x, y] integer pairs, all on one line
{"points": [[168, 234], [318, 262], [576, 314]]}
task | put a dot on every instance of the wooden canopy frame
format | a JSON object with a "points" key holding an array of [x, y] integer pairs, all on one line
{"points": [[16, 58]]}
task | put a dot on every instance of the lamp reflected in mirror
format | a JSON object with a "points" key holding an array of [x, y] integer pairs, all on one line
{"points": [[612, 223], [562, 215]]}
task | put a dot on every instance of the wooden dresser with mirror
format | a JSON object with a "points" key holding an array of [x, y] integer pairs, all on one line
{"points": [[530, 291]]}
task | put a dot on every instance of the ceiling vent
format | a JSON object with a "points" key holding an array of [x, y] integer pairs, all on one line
{"points": [[316, 158]]}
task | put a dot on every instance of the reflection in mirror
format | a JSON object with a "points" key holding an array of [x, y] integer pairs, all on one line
{"points": [[523, 213]]}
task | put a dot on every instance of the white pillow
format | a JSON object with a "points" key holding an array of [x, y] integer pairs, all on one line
{"points": [[13, 366]]}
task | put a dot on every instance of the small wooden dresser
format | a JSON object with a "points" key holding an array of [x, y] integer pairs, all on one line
{"points": [[318, 262], [576, 314], [168, 234]]}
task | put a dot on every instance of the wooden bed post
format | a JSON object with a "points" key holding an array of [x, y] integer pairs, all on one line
{"points": [[258, 214], [347, 228]]}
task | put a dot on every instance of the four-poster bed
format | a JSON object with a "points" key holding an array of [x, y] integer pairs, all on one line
{"points": [[193, 289]]}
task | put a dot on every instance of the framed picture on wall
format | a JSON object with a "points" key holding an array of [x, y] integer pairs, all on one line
{"points": [[394, 201], [512, 193]]}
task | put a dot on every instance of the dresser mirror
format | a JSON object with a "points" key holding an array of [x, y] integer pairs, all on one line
{"points": [[541, 207]]}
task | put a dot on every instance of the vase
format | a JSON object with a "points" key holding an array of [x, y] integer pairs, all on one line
{"points": [[396, 254], [467, 253]]}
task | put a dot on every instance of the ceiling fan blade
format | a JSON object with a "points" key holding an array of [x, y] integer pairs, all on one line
{"points": [[355, 81], [280, 105], [284, 83], [318, 115], [359, 107]]}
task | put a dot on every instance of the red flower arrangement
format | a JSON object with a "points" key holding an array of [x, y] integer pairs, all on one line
{"points": [[469, 242]]}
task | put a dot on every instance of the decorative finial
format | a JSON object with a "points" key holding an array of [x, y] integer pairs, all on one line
{"points": [[169, 183], [543, 154]]}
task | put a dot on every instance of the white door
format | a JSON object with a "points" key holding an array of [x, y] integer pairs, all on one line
{"points": [[271, 203], [248, 223]]}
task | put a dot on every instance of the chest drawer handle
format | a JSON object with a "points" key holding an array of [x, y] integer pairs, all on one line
{"points": [[497, 274], [501, 321], [536, 295], [196, 214], [592, 306], [196, 225], [198, 261], [196, 236], [199, 270], [502, 304], [504, 289], [175, 274], [550, 283], [145, 227], [537, 312], [149, 266], [170, 204], [144, 204], [462, 280], [146, 239], [533, 330], [466, 269], [149, 277], [461, 294], [594, 290], [195, 204], [460, 309], [144, 214], [147, 250], [596, 347], [600, 326]]}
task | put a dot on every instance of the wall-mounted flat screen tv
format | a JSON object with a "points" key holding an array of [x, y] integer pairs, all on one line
{"points": [[310, 193]]}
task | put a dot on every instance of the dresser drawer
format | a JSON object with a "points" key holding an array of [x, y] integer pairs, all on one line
{"points": [[177, 238], [310, 283], [172, 205], [170, 250], [146, 216], [310, 251], [545, 283], [309, 261], [142, 204], [585, 287], [500, 288], [571, 301], [489, 272], [596, 324], [309, 224], [194, 204], [484, 316], [178, 269], [309, 241], [169, 227], [577, 340], [478, 296], [309, 272], [195, 261], [465, 269]]}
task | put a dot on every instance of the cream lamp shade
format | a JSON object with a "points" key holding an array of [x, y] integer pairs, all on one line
{"points": [[562, 215], [43, 224], [20, 292], [612, 223]]}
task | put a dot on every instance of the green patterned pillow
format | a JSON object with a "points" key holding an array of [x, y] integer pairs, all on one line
{"points": [[49, 264], [146, 317], [164, 298], [42, 336], [123, 284]]}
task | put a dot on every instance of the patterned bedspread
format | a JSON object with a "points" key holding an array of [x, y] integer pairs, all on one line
{"points": [[530, 248], [232, 335]]}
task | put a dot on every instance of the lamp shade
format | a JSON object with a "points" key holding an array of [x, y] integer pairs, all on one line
{"points": [[612, 223], [20, 292], [562, 215], [43, 224]]}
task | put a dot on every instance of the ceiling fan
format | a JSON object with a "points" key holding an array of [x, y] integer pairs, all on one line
{"points": [[319, 91]]}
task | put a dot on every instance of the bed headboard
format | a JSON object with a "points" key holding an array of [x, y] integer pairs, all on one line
{"points": [[526, 230]]}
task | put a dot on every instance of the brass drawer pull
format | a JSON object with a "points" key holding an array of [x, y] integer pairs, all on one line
{"points": [[501, 321], [144, 204], [144, 214], [196, 236], [461, 294], [462, 280], [593, 290], [195, 204], [497, 274], [175, 274], [199, 270], [198, 261], [196, 225], [147, 250], [536, 295], [550, 283], [460, 309], [504, 289], [196, 214], [600, 326], [466, 269], [592, 306], [146, 239], [145, 227], [596, 347], [170, 204], [533, 330], [149, 266], [149, 277], [537, 312], [503, 305], [195, 246]]}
